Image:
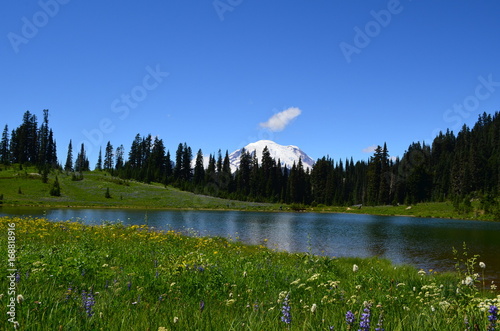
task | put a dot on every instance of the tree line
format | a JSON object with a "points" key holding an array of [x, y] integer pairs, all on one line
{"points": [[459, 168]]}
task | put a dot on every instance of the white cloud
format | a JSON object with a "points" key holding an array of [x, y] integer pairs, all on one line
{"points": [[369, 149], [279, 121]]}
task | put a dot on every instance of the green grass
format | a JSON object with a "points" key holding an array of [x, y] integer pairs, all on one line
{"points": [[25, 188], [141, 279], [424, 209]]}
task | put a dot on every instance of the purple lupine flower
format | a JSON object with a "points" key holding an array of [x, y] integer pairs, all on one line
{"points": [[466, 323], [492, 318], [350, 319], [18, 277], [364, 323], [380, 324], [88, 302], [285, 310], [202, 306]]}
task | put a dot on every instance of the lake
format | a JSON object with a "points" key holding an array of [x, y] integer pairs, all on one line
{"points": [[423, 242]]}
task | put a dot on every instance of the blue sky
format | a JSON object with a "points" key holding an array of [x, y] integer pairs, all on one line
{"points": [[212, 73]]}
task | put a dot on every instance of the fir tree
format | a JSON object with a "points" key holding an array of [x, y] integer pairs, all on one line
{"points": [[108, 157], [4, 147], [98, 165], [69, 159], [199, 170], [56, 188]]}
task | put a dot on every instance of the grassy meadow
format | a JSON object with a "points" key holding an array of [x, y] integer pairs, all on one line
{"points": [[24, 187], [114, 277]]}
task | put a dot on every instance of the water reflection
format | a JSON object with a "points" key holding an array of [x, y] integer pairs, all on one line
{"points": [[424, 243]]}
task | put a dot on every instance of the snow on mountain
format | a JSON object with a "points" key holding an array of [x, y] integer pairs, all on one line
{"points": [[286, 154]]}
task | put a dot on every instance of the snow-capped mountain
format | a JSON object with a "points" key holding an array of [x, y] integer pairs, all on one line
{"points": [[286, 154]]}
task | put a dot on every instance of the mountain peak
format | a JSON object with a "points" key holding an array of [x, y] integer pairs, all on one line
{"points": [[286, 154]]}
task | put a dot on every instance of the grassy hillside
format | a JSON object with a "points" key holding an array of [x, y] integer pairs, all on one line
{"points": [[111, 277], [25, 187]]}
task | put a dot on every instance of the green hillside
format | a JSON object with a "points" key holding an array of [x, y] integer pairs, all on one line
{"points": [[24, 187]]}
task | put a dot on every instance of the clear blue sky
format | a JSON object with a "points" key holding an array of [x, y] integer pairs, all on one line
{"points": [[210, 72]]}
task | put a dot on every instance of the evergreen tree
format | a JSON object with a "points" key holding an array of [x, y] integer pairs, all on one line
{"points": [[374, 176], [187, 156], [69, 159], [108, 157], [4, 147], [199, 170], [43, 140], [243, 174], [56, 188], [98, 165], [178, 162], [156, 162], [168, 169], [82, 162], [211, 174], [119, 161]]}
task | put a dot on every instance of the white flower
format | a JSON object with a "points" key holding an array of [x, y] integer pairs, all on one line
{"points": [[468, 281], [176, 319], [20, 298], [355, 268], [313, 308], [482, 265]]}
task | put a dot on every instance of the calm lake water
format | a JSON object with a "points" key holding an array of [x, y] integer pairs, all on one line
{"points": [[424, 243]]}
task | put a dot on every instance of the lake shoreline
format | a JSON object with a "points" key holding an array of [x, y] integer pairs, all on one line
{"points": [[251, 209]]}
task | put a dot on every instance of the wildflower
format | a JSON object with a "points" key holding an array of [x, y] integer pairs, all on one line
{"points": [[350, 319], [380, 324], [313, 278], [364, 323], [20, 298], [466, 323], [493, 318], [422, 272], [468, 281], [16, 325], [313, 308], [285, 310], [355, 268], [176, 319], [482, 265], [18, 277], [88, 302], [202, 305]]}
